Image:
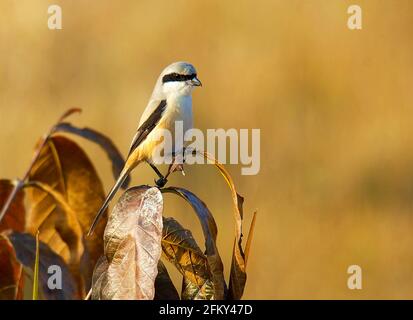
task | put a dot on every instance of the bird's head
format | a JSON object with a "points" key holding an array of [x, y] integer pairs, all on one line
{"points": [[179, 78]]}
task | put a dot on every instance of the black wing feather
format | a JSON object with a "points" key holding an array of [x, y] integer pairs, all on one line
{"points": [[146, 128]]}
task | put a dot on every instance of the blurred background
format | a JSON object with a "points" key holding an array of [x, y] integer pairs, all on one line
{"points": [[334, 107]]}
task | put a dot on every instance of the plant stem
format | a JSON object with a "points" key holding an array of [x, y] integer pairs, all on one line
{"points": [[20, 182], [36, 269], [88, 294]]}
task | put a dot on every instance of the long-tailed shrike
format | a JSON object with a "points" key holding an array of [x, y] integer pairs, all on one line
{"points": [[171, 101]]}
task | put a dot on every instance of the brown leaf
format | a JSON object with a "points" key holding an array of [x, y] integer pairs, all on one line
{"points": [[249, 238], [180, 248], [103, 141], [164, 288], [191, 291], [99, 276], [238, 275], [11, 280], [66, 224], [132, 247], [209, 229], [66, 169], [14, 218], [24, 246], [68, 113]]}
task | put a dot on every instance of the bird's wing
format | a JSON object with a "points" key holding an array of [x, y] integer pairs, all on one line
{"points": [[148, 125]]}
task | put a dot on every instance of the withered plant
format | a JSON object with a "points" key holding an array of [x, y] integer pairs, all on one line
{"points": [[55, 202]]}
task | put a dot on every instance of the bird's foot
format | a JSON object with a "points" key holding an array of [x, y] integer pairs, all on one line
{"points": [[176, 166], [161, 182]]}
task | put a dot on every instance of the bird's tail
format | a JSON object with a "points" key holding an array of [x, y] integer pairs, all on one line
{"points": [[122, 177]]}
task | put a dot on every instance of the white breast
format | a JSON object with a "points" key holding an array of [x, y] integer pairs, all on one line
{"points": [[178, 108]]}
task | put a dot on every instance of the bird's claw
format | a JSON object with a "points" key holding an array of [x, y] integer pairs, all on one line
{"points": [[161, 182]]}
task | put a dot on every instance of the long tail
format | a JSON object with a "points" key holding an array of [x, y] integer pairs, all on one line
{"points": [[122, 177]]}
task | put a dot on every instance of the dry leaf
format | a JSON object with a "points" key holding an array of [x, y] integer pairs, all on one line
{"points": [[180, 248], [164, 288], [24, 246], [66, 224], [190, 291], [15, 216], [99, 274], [238, 275], [104, 142], [249, 238], [67, 114], [11, 280], [65, 167], [209, 229], [132, 247]]}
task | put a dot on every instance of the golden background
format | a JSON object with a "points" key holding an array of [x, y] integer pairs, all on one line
{"points": [[334, 107]]}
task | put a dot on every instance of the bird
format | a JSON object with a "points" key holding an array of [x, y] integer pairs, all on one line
{"points": [[171, 101]]}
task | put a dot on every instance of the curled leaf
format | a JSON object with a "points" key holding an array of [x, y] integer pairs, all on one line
{"points": [[25, 249], [249, 238], [132, 243], [103, 141], [180, 248], [68, 113], [209, 229], [238, 275], [62, 206]]}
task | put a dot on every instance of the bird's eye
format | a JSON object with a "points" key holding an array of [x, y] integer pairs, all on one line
{"points": [[177, 77]]}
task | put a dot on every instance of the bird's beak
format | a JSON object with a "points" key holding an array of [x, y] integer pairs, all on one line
{"points": [[196, 82]]}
